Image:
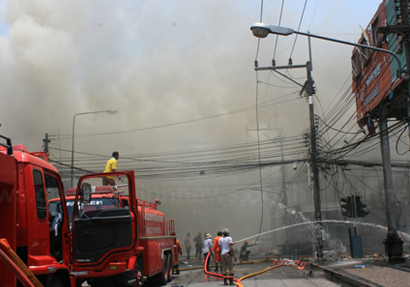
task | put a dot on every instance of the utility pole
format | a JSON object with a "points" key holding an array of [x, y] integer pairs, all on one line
{"points": [[46, 141], [393, 245], [282, 167], [313, 160]]}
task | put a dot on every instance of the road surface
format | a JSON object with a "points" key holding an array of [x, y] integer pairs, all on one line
{"points": [[288, 276]]}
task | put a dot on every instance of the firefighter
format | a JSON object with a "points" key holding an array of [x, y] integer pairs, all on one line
{"points": [[198, 245], [244, 254], [110, 167], [188, 245], [207, 248], [179, 247], [217, 251], [227, 253], [179, 251]]}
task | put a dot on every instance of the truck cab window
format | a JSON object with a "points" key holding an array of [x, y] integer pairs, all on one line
{"points": [[52, 187], [53, 198], [40, 195]]}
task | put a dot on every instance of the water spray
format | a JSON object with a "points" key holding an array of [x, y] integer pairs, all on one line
{"points": [[322, 221]]}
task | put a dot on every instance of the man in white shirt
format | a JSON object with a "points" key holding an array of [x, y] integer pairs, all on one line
{"points": [[227, 253], [207, 248]]}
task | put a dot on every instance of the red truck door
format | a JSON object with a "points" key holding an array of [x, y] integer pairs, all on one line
{"points": [[101, 232], [8, 202]]}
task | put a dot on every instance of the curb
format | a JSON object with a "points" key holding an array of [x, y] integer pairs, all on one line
{"points": [[349, 279]]}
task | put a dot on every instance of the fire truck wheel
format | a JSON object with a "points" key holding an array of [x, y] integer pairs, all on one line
{"points": [[138, 275], [162, 277], [54, 281], [169, 267], [78, 282]]}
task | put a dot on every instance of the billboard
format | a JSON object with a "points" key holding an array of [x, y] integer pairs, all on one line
{"points": [[376, 77]]}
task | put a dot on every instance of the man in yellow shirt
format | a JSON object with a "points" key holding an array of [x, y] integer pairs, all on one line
{"points": [[110, 167]]}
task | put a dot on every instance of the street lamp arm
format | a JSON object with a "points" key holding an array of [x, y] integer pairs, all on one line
{"points": [[262, 30], [72, 137], [400, 70], [95, 112]]}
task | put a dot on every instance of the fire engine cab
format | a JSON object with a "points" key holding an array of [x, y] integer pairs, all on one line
{"points": [[118, 239]]}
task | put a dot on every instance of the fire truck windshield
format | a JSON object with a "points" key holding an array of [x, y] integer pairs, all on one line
{"points": [[95, 204]]}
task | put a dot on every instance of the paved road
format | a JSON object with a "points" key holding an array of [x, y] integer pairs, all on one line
{"points": [[288, 276], [368, 272]]}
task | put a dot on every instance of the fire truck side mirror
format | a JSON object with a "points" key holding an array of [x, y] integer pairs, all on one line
{"points": [[86, 193]]}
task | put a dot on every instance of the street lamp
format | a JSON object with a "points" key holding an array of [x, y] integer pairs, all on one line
{"points": [[72, 137], [262, 30], [393, 244]]}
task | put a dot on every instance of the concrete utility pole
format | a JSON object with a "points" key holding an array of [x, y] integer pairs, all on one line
{"points": [[313, 161], [393, 245], [284, 193], [46, 141]]}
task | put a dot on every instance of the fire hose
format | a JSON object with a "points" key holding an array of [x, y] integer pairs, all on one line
{"points": [[277, 263], [241, 263], [299, 265], [216, 274], [237, 281]]}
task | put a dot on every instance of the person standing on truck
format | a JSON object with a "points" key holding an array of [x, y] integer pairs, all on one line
{"points": [[187, 243], [216, 248], [207, 248], [198, 245], [227, 253], [110, 167]]}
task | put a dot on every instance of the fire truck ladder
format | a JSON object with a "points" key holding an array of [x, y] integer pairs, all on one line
{"points": [[170, 227]]}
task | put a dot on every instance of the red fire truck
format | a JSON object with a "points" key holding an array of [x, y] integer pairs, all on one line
{"points": [[154, 252], [27, 181], [107, 237]]}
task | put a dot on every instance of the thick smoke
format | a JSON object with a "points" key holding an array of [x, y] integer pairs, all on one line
{"points": [[158, 63]]}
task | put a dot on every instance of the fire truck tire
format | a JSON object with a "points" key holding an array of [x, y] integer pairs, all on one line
{"points": [[55, 281], [138, 275], [78, 282], [162, 277], [169, 267]]}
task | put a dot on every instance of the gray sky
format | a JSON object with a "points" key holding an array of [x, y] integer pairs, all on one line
{"points": [[160, 63], [157, 62]]}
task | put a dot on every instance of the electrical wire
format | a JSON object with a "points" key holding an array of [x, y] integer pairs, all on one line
{"points": [[300, 23], [397, 142], [259, 154], [277, 36]]}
